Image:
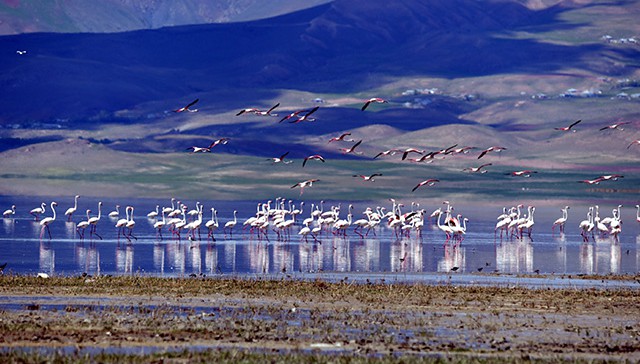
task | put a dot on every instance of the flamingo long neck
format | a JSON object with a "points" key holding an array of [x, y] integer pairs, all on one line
{"points": [[53, 205], [88, 211], [130, 217], [234, 217], [99, 210], [127, 212], [75, 203]]}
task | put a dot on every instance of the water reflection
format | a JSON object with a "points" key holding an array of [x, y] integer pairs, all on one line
{"points": [[87, 257], [454, 258], [124, 258], [47, 258], [9, 226], [515, 256]]}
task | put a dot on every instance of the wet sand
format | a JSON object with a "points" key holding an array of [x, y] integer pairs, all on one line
{"points": [[254, 319]]}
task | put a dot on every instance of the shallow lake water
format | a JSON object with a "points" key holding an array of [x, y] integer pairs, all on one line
{"points": [[546, 252]]}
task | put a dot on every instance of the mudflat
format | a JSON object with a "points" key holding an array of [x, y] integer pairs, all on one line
{"points": [[142, 319]]}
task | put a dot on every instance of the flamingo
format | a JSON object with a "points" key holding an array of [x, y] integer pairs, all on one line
{"points": [[268, 112], [73, 209], [38, 211], [250, 110], [502, 224], [94, 221], [21, 52], [352, 149], [120, 224], [48, 220], [524, 173], [561, 220], [444, 228], [305, 117], [159, 225], [82, 225], [293, 114], [229, 225], [154, 214], [212, 224], [373, 99], [342, 138], [303, 184], [612, 177], [569, 128], [638, 214], [633, 142], [478, 169], [280, 159], [591, 181], [496, 149], [368, 178], [130, 225], [195, 225], [10, 212], [188, 107], [387, 152], [586, 225], [427, 182], [528, 224], [406, 152], [315, 156], [615, 125], [115, 213]]}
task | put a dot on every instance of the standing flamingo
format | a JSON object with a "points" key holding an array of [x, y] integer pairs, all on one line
{"points": [[10, 212], [159, 225], [38, 211], [130, 225], [48, 220], [231, 224], [561, 220], [120, 224], [212, 224], [115, 213], [94, 221], [82, 225], [73, 209]]}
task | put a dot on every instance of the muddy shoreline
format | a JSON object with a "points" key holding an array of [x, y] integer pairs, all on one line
{"points": [[208, 318]]}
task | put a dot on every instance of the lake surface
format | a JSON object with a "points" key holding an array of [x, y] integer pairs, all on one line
{"points": [[480, 252]]}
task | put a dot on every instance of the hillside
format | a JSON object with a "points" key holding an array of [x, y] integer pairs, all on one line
{"points": [[461, 72]]}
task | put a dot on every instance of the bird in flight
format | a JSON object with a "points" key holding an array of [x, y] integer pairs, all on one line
{"points": [[315, 156], [523, 173], [411, 150], [187, 108], [591, 181], [196, 149], [368, 178], [373, 99], [633, 142], [20, 52], [427, 182], [352, 149], [303, 184], [305, 117], [388, 152], [342, 138], [491, 149], [567, 128], [477, 169], [280, 159], [612, 177], [268, 112], [250, 110], [616, 125]]}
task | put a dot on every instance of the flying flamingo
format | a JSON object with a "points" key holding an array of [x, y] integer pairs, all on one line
{"points": [[187, 108], [491, 149], [268, 112], [352, 149], [387, 152], [38, 211], [427, 182], [303, 184], [9, 212], [411, 150], [368, 178], [82, 225], [341, 138], [633, 142], [591, 181], [523, 173], [616, 125], [315, 156], [280, 159], [612, 177], [561, 220], [477, 169], [568, 128], [373, 99], [73, 209], [293, 114], [48, 220], [306, 117]]}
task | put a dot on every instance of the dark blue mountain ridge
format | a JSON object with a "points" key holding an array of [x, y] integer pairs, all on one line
{"points": [[335, 47]]}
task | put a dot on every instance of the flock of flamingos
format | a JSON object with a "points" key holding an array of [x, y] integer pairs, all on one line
{"points": [[282, 217]]}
